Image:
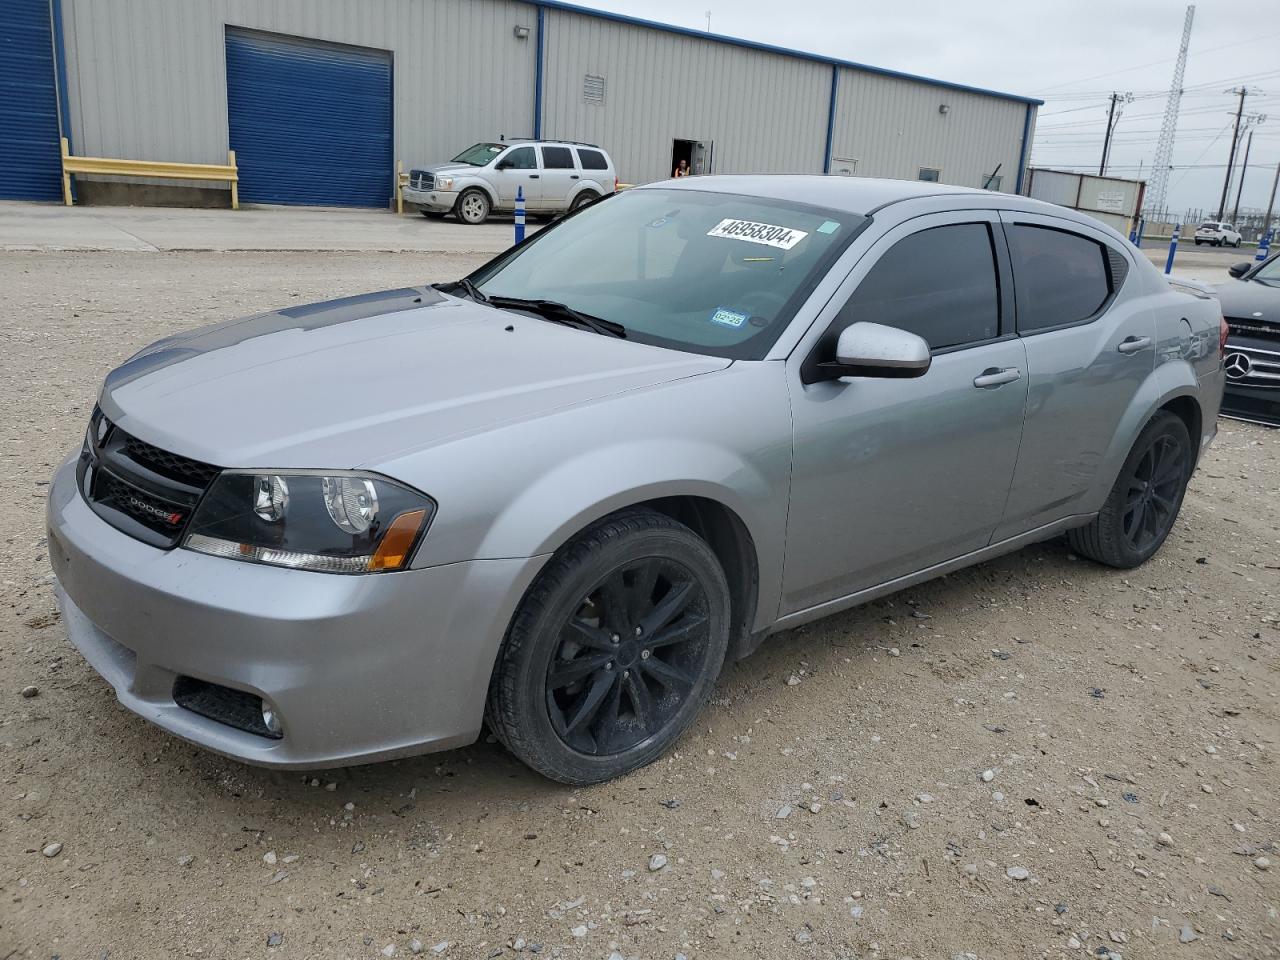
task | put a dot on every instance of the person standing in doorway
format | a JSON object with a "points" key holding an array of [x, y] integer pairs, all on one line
{"points": [[682, 169]]}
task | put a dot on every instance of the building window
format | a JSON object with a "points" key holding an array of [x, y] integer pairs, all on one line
{"points": [[929, 174], [991, 182], [593, 89], [844, 166]]}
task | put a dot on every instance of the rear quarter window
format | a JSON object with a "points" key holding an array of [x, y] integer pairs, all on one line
{"points": [[1060, 278], [593, 160]]}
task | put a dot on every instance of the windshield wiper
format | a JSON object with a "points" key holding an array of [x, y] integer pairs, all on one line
{"points": [[558, 312], [466, 286]]}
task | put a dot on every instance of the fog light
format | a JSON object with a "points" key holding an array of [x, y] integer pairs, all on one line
{"points": [[270, 720]]}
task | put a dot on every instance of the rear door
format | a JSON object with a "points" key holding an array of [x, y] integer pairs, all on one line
{"points": [[560, 176], [1090, 345], [893, 476], [517, 169]]}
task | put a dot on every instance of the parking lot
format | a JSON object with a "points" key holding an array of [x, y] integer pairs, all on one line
{"points": [[1037, 757]]}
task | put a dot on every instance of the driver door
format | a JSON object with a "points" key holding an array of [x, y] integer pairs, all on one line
{"points": [[892, 476], [518, 169]]}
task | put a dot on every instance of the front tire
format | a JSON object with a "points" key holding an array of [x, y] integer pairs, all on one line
{"points": [[473, 206], [614, 650], [1144, 503]]}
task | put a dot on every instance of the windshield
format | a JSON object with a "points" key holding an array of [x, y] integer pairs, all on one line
{"points": [[480, 154], [712, 273]]}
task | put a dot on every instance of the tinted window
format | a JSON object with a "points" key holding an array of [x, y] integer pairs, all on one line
{"points": [[557, 158], [521, 158], [1059, 277], [939, 284], [593, 160]]}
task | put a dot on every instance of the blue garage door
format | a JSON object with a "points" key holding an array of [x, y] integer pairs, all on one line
{"points": [[30, 161], [310, 122]]}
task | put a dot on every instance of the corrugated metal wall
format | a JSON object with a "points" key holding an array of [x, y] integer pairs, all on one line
{"points": [[148, 77], [766, 113], [893, 127]]}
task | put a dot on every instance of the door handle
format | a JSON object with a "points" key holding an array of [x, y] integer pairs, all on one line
{"points": [[1133, 344], [533, 176], [573, 176], [996, 377]]}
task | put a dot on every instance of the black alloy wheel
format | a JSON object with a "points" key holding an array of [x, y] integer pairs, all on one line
{"points": [[628, 656], [1154, 492], [1143, 504], [613, 651]]}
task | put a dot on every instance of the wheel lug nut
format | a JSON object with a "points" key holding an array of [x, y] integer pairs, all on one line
{"points": [[609, 665], [615, 638], [644, 654], [639, 630]]}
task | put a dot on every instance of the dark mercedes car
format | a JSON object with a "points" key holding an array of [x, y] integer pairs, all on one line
{"points": [[1251, 304]]}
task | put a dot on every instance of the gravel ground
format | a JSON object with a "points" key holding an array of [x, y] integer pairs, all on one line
{"points": [[1037, 757]]}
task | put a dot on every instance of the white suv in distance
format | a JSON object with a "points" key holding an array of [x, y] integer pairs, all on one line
{"points": [[556, 176], [1218, 234]]}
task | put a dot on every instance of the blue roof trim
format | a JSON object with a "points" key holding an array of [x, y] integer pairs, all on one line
{"points": [[784, 51]]}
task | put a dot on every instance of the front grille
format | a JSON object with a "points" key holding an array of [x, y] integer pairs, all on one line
{"points": [[1252, 367], [235, 708], [422, 180], [138, 488], [1252, 328]]}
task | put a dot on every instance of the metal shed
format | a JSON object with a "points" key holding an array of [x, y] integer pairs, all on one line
{"points": [[165, 81]]}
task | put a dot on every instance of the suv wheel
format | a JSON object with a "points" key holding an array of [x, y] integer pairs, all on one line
{"points": [[582, 199], [473, 206], [1143, 504], [614, 650]]}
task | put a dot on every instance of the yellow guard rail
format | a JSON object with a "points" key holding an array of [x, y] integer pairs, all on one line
{"points": [[149, 168]]}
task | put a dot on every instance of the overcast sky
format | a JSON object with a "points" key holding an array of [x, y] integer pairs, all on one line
{"points": [[1072, 55]]}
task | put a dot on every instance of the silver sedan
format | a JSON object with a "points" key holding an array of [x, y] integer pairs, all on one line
{"points": [[555, 496]]}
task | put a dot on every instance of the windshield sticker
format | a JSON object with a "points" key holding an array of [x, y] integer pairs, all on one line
{"points": [[784, 238], [829, 227], [660, 222], [729, 318]]}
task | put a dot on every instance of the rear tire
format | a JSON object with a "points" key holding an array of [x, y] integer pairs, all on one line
{"points": [[1144, 503], [473, 206], [614, 650], [582, 199]]}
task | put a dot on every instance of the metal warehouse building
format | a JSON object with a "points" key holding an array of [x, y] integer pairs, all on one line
{"points": [[320, 98]]}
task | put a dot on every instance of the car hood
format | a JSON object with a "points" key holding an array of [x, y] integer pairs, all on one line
{"points": [[439, 168], [352, 382], [1250, 301]]}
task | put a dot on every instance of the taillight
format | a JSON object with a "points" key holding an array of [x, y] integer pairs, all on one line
{"points": [[1223, 332], [615, 184]]}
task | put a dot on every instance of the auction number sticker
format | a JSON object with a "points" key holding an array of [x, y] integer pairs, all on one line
{"points": [[784, 238]]}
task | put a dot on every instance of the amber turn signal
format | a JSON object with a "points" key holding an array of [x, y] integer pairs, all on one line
{"points": [[393, 551]]}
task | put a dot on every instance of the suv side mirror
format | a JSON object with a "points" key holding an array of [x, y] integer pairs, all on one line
{"points": [[874, 350], [1240, 269], [503, 165]]}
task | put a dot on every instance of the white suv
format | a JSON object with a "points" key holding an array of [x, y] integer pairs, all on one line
{"points": [[1218, 234], [555, 175]]}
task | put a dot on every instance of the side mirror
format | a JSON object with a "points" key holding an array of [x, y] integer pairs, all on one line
{"points": [[1240, 269], [503, 165], [874, 350]]}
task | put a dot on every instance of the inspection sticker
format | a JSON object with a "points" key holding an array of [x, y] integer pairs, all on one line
{"points": [[730, 318], [784, 238]]}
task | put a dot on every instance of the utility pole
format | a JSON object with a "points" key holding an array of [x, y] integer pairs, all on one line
{"points": [[1159, 186], [1231, 159], [1250, 122], [1112, 119], [1266, 223]]}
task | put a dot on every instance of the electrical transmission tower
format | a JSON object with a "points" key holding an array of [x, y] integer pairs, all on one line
{"points": [[1158, 189]]}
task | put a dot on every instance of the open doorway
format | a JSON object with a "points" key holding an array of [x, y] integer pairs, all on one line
{"points": [[695, 153]]}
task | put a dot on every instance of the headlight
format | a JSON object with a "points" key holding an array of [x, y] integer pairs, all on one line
{"points": [[329, 522], [444, 183]]}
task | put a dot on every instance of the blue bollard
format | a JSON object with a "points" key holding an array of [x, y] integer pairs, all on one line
{"points": [[1264, 246], [1173, 247], [519, 215]]}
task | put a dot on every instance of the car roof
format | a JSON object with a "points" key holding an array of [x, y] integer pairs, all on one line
{"points": [[859, 195], [856, 195]]}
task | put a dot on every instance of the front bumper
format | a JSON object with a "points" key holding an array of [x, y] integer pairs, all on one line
{"points": [[1253, 378], [437, 201], [357, 668]]}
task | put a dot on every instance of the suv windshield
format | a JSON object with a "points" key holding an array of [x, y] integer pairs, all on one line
{"points": [[480, 154], [1270, 272], [712, 273]]}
